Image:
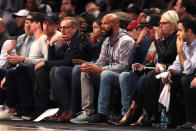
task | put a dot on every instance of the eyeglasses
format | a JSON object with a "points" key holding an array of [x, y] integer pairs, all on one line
{"points": [[65, 27], [163, 23]]}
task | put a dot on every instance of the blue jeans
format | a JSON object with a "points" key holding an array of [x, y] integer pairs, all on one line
{"points": [[76, 90], [109, 80], [128, 84]]}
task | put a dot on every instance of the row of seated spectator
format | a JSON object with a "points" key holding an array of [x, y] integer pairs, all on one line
{"points": [[60, 64]]}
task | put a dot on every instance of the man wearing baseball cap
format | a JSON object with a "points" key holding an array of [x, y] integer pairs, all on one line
{"points": [[20, 17]]}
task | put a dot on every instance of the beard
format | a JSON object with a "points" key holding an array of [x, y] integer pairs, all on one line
{"points": [[109, 32]]}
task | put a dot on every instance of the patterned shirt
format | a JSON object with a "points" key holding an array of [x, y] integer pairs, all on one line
{"points": [[114, 55]]}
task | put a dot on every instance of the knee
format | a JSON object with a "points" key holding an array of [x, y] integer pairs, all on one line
{"points": [[151, 75], [123, 76], [105, 75], [58, 72], [76, 70]]}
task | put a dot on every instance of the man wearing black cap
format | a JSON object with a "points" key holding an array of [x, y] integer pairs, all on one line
{"points": [[133, 81], [22, 77]]}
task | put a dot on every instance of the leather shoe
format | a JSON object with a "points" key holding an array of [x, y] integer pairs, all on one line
{"points": [[54, 117], [66, 117]]}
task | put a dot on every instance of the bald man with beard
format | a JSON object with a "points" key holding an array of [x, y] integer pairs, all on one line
{"points": [[112, 61]]}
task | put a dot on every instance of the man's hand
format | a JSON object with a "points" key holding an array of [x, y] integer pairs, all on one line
{"points": [[142, 34], [55, 39], [179, 44], [193, 83], [11, 46], [78, 61], [89, 68], [38, 66], [157, 68], [137, 67], [3, 83], [158, 33], [15, 59]]}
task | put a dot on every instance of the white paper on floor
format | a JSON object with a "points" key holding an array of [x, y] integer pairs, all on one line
{"points": [[47, 113]]}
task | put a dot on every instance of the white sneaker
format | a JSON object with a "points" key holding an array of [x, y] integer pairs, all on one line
{"points": [[5, 115], [81, 119]]}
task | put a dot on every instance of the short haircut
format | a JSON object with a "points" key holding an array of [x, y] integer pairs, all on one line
{"points": [[190, 6], [171, 16], [133, 8], [188, 23], [74, 23]]}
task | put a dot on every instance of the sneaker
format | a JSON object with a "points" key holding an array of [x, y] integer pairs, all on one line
{"points": [[97, 118], [194, 127], [81, 119], [187, 125], [5, 115]]}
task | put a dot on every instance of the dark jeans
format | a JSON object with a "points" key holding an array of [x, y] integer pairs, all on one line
{"points": [[19, 87], [67, 88], [189, 97]]}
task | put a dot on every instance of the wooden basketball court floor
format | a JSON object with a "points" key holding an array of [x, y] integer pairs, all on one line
{"points": [[56, 126]]}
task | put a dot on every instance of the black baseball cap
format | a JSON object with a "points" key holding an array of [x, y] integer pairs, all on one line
{"points": [[153, 20], [52, 17], [38, 17]]}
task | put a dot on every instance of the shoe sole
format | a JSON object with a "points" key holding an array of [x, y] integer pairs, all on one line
{"points": [[79, 122]]}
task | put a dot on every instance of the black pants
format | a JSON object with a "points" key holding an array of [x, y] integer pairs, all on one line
{"points": [[152, 93], [42, 88], [19, 87], [2, 91], [189, 97]]}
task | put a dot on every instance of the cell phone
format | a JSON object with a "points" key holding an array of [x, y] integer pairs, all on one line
{"points": [[14, 38]]}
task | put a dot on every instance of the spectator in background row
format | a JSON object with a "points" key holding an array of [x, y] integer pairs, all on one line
{"points": [[68, 7], [20, 17], [7, 8], [142, 19], [185, 8], [133, 11], [91, 7], [30, 5], [123, 18], [132, 28]]}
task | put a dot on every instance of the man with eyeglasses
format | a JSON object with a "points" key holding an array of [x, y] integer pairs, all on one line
{"points": [[73, 47]]}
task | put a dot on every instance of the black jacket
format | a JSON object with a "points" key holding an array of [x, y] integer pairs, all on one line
{"points": [[77, 49], [166, 49]]}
